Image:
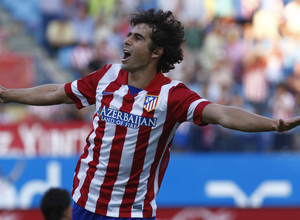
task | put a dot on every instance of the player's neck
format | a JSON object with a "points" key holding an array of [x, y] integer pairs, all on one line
{"points": [[141, 79]]}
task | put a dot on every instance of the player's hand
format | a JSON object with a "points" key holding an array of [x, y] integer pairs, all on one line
{"points": [[287, 124]]}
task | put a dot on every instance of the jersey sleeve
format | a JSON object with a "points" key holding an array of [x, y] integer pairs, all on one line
{"points": [[83, 91], [187, 105]]}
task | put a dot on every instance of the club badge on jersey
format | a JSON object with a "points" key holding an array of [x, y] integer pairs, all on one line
{"points": [[150, 102]]}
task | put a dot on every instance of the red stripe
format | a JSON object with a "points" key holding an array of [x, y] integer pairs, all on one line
{"points": [[114, 161], [164, 164], [198, 112]]}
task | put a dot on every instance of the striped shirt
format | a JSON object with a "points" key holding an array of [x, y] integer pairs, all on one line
{"points": [[120, 171]]}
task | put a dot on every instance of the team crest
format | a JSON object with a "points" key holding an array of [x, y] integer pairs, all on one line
{"points": [[150, 102]]}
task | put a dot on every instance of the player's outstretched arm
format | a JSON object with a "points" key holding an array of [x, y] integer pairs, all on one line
{"points": [[239, 119], [49, 94]]}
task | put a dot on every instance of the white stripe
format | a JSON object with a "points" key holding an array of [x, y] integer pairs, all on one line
{"points": [[76, 92], [110, 76], [192, 108]]}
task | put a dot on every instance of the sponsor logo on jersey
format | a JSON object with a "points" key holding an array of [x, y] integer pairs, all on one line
{"points": [[150, 102], [107, 93], [118, 117]]}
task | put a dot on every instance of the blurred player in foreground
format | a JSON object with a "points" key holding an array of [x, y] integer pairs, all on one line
{"points": [[56, 204], [137, 110]]}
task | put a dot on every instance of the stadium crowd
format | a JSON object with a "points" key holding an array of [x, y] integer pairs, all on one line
{"points": [[237, 52]]}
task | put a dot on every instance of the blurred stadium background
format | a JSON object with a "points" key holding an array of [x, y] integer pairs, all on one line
{"points": [[237, 52]]}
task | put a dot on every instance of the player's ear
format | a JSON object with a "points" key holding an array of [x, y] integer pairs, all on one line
{"points": [[157, 52]]}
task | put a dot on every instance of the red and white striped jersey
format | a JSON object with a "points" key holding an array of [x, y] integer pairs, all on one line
{"points": [[120, 171]]}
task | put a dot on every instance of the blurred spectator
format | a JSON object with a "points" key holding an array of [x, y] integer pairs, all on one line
{"points": [[193, 10], [127, 6], [4, 34], [294, 79], [102, 31], [246, 8], [221, 80], [105, 8], [274, 66], [172, 5], [282, 104], [81, 56], [292, 17], [70, 8], [105, 53], [113, 45], [224, 8], [255, 86], [83, 25], [56, 204], [235, 50], [194, 35], [49, 10], [290, 47], [60, 33], [266, 21], [189, 76], [213, 44]]}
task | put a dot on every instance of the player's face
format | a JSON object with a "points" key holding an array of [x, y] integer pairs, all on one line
{"points": [[137, 55]]}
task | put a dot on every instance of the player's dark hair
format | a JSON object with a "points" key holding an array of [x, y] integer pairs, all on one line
{"points": [[54, 203], [167, 33]]}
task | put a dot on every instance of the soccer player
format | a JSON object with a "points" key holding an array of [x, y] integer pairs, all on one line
{"points": [[137, 110]]}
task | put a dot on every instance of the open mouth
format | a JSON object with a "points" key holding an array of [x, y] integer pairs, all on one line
{"points": [[126, 55]]}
